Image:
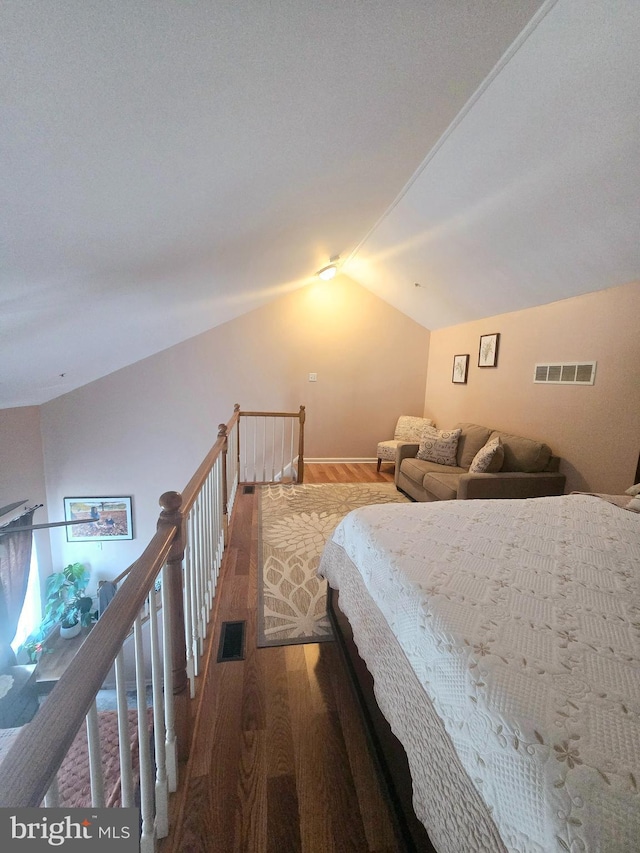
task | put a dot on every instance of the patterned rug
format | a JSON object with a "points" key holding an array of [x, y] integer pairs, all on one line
{"points": [[295, 522]]}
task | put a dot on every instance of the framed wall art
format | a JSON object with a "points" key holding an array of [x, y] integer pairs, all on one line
{"points": [[488, 351], [107, 518], [460, 368]]}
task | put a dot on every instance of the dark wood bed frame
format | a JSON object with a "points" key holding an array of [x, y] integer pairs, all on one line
{"points": [[387, 751]]}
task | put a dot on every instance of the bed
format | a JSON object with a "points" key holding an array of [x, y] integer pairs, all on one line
{"points": [[503, 638]]}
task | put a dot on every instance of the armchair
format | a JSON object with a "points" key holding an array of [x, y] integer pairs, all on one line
{"points": [[408, 428]]}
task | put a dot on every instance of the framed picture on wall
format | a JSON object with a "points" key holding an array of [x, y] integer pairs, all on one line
{"points": [[488, 352], [107, 519], [460, 368]]}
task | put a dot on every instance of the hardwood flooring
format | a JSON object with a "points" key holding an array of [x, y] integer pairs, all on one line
{"points": [[280, 762]]}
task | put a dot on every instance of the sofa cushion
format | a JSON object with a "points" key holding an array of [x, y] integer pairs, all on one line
{"points": [[472, 438], [489, 459], [523, 454], [443, 486], [417, 469], [439, 445]]}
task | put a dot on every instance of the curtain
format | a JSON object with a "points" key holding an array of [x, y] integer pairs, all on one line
{"points": [[15, 559]]}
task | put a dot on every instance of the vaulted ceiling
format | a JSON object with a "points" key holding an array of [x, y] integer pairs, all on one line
{"points": [[169, 166]]}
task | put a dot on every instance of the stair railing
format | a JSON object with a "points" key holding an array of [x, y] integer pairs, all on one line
{"points": [[184, 556], [169, 592], [271, 447]]}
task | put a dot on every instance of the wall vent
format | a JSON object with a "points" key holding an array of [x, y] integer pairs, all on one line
{"points": [[231, 645], [566, 373]]}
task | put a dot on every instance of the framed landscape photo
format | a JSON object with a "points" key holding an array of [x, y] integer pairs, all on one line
{"points": [[488, 352], [107, 519], [460, 368]]}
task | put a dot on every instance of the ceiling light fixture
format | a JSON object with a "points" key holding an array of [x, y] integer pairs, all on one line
{"points": [[328, 272]]}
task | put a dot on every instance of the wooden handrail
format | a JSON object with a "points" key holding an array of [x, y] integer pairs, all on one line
{"points": [[271, 414], [191, 490], [31, 764]]}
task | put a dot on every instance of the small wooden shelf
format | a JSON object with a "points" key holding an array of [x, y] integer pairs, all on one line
{"points": [[57, 654]]}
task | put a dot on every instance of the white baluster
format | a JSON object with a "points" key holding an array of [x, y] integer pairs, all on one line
{"points": [[161, 789], [202, 579], [189, 626], [52, 797], [124, 737], [271, 449], [197, 576], [209, 544], [148, 834], [171, 743], [282, 432], [95, 758], [220, 516], [291, 452]]}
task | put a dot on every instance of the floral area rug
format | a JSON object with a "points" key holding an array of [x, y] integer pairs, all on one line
{"points": [[295, 521]]}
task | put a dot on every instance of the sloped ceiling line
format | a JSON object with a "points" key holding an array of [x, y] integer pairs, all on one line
{"points": [[497, 69]]}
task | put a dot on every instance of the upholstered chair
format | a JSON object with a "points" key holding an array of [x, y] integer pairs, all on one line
{"points": [[408, 428]]}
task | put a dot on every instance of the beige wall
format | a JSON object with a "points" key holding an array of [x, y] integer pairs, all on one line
{"points": [[22, 472], [595, 428], [144, 429]]}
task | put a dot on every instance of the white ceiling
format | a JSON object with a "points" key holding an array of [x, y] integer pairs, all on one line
{"points": [[167, 166]]}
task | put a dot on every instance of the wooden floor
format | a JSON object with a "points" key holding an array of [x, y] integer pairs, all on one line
{"points": [[281, 761]]}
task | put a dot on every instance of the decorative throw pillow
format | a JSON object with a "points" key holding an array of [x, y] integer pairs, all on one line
{"points": [[488, 459], [439, 445], [633, 490]]}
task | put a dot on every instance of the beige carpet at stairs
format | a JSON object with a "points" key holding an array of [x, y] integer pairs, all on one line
{"points": [[295, 522]]}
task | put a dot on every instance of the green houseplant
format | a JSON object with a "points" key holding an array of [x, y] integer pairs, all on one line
{"points": [[66, 599], [66, 604]]}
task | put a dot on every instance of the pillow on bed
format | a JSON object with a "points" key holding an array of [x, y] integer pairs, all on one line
{"points": [[439, 445], [488, 459], [633, 490]]}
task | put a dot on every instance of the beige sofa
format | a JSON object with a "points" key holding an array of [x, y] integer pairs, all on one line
{"points": [[529, 469]]}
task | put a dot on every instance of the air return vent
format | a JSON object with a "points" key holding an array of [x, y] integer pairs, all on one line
{"points": [[231, 641], [566, 373]]}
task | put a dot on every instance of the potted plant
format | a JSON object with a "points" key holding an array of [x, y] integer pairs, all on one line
{"points": [[66, 600], [33, 646]]}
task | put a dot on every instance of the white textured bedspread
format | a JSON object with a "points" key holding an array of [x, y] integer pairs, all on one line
{"points": [[521, 620]]}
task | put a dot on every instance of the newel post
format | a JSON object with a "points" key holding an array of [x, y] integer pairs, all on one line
{"points": [[171, 514], [222, 433], [236, 411], [302, 417]]}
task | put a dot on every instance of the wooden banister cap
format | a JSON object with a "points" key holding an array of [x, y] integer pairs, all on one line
{"points": [[170, 501]]}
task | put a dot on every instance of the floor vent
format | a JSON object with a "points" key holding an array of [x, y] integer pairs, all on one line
{"points": [[248, 490], [565, 373], [231, 641]]}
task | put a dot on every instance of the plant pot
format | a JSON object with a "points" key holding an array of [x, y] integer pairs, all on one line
{"points": [[71, 631]]}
